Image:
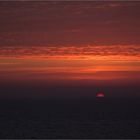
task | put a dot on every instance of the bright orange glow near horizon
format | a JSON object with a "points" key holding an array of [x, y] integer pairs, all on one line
{"points": [[71, 63]]}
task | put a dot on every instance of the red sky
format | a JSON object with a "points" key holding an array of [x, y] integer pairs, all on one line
{"points": [[64, 41]]}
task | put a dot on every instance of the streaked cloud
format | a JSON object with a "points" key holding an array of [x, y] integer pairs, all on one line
{"points": [[112, 52]]}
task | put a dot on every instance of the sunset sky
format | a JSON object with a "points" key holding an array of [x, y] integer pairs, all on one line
{"points": [[55, 41]]}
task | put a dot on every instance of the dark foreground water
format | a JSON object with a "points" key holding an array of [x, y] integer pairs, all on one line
{"points": [[74, 118]]}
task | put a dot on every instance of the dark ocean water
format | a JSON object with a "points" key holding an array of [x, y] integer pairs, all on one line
{"points": [[70, 118]]}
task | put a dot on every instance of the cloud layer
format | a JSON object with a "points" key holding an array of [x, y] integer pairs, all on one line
{"points": [[112, 52]]}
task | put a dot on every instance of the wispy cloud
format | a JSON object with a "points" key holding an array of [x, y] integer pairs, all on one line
{"points": [[112, 52]]}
